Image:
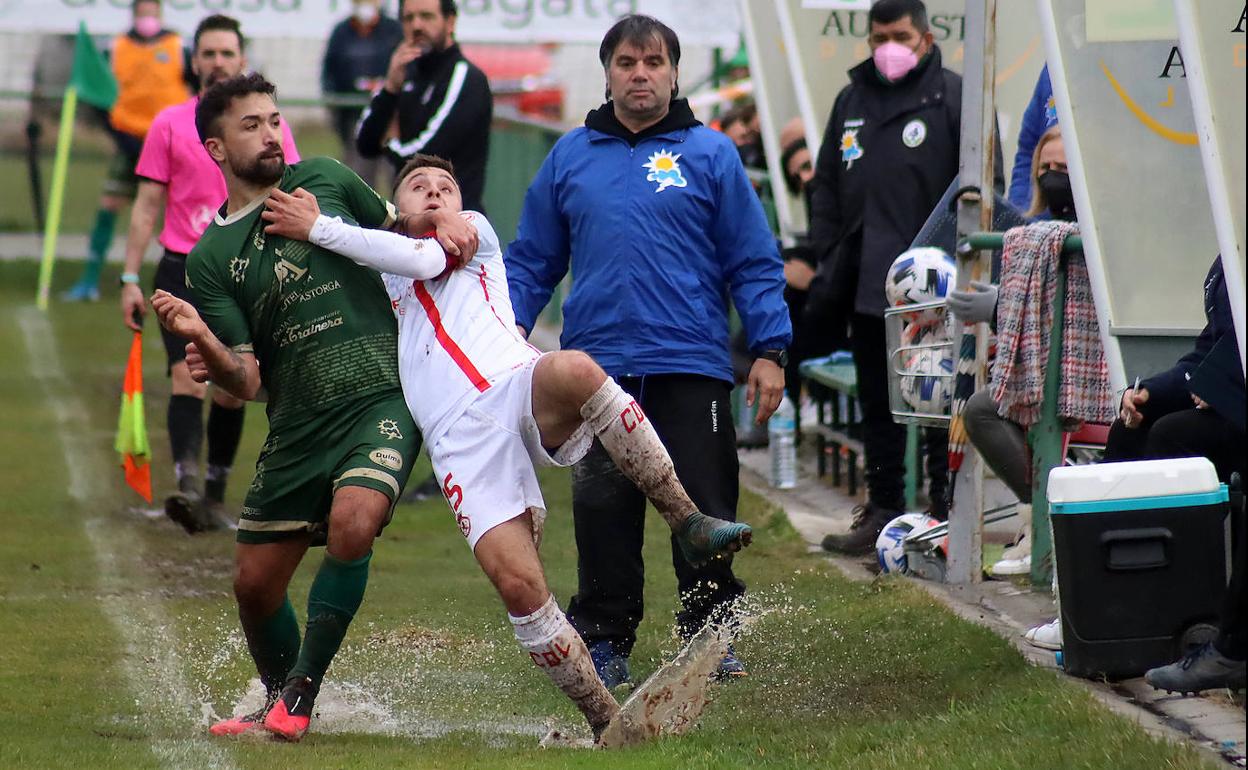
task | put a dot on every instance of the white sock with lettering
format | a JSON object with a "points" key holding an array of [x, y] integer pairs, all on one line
{"points": [[630, 440], [556, 648]]}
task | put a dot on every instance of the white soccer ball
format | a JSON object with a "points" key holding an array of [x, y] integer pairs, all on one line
{"points": [[890, 545], [925, 274], [927, 385]]}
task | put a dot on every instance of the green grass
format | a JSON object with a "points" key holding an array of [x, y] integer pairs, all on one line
{"points": [[843, 674]]}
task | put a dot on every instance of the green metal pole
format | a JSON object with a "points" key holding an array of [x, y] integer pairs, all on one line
{"points": [[56, 198], [996, 241], [1046, 439]]}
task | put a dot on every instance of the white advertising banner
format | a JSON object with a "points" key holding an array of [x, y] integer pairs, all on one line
{"points": [[827, 43], [698, 22], [1212, 33], [1123, 102]]}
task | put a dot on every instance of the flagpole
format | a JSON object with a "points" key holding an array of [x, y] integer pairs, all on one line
{"points": [[60, 169]]}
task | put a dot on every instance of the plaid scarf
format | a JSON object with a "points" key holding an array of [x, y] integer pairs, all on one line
{"points": [[1024, 325]]}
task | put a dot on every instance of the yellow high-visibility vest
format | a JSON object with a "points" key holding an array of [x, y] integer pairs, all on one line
{"points": [[150, 77]]}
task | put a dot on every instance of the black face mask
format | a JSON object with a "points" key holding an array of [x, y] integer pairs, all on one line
{"points": [[1055, 187]]}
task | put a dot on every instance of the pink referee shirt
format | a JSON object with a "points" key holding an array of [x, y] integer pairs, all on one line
{"points": [[174, 156]]}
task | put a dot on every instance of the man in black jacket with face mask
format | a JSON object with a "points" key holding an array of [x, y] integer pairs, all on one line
{"points": [[442, 100], [889, 152]]}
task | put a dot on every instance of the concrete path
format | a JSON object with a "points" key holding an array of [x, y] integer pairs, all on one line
{"points": [[70, 248]]}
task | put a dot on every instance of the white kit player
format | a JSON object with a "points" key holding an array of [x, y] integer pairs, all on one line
{"points": [[491, 407]]}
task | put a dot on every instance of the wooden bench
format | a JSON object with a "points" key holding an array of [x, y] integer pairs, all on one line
{"points": [[833, 386]]}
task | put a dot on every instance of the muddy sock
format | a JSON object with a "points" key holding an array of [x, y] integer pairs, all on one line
{"points": [[632, 443], [336, 594], [185, 421], [225, 429], [556, 648], [274, 645]]}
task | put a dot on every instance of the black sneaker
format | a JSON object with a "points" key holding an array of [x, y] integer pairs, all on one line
{"points": [[1204, 668], [869, 521], [730, 667], [190, 511], [290, 716], [612, 667]]}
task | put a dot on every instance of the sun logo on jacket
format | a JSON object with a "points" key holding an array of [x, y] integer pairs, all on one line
{"points": [[851, 150], [665, 170]]}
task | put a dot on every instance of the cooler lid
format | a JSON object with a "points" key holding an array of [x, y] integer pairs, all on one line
{"points": [[1123, 481]]}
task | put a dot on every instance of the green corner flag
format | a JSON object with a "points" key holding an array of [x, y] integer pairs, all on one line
{"points": [[94, 82], [91, 74]]}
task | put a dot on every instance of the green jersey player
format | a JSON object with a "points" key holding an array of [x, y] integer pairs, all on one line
{"points": [[315, 334]]}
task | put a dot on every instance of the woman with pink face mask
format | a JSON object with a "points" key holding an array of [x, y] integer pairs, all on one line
{"points": [[889, 152], [151, 69]]}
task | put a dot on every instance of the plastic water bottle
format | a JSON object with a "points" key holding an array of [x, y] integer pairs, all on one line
{"points": [[782, 445]]}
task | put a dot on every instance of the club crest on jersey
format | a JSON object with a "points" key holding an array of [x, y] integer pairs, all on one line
{"points": [[390, 429], [286, 271], [238, 268], [665, 170], [851, 150]]}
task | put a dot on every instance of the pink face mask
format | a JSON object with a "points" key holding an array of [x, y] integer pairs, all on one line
{"points": [[147, 26], [894, 60]]}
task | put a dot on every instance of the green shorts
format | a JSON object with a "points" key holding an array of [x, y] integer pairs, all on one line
{"points": [[121, 180], [372, 444]]}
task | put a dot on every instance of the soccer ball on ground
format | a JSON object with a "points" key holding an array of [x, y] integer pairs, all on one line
{"points": [[890, 545], [920, 275]]}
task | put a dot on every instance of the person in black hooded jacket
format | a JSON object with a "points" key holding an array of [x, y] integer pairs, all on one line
{"points": [[889, 152], [443, 101]]}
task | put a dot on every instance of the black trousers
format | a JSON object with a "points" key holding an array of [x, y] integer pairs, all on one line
{"points": [[1186, 433], [1196, 433], [884, 441], [693, 417], [1232, 640]]}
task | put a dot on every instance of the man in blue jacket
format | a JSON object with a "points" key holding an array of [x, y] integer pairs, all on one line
{"points": [[656, 218]]}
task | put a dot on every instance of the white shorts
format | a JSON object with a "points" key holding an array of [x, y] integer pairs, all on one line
{"points": [[485, 459]]}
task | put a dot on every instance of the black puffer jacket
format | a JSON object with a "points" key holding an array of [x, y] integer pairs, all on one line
{"points": [[889, 152]]}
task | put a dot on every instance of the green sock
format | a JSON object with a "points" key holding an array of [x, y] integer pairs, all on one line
{"points": [[335, 596], [97, 246], [274, 645]]}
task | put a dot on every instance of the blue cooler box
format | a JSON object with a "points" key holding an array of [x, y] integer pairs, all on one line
{"points": [[1142, 554]]}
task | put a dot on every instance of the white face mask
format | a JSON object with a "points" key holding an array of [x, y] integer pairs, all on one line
{"points": [[366, 13]]}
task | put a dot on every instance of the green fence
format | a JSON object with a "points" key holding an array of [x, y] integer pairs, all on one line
{"points": [[517, 149]]}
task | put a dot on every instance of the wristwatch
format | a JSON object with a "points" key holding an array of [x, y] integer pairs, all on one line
{"points": [[779, 357], [128, 278]]}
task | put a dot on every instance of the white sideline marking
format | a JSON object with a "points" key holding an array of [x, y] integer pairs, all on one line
{"points": [[150, 661]]}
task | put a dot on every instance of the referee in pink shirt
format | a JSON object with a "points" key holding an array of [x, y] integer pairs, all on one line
{"points": [[177, 175]]}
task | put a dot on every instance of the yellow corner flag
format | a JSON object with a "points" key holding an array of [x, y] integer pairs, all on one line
{"points": [[94, 82], [131, 442]]}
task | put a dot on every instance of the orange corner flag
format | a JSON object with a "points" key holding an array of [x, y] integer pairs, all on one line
{"points": [[131, 442]]}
